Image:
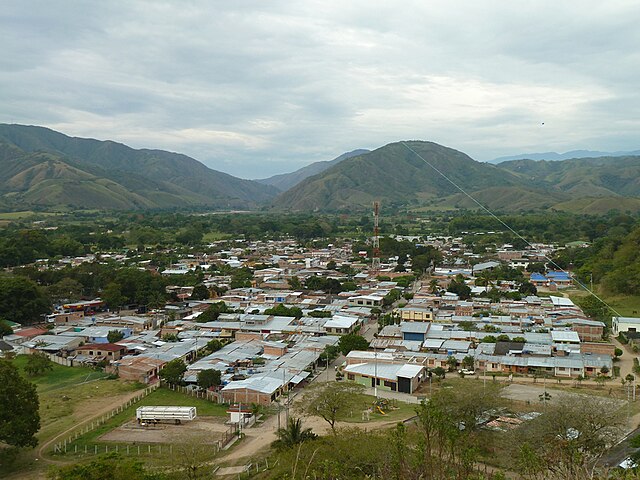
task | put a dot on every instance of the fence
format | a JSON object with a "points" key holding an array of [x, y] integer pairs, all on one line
{"points": [[61, 447], [68, 446], [215, 397]]}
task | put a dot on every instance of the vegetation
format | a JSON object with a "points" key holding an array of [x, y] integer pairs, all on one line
{"points": [[173, 372], [293, 434], [352, 341], [19, 415], [330, 400], [209, 378], [38, 364]]}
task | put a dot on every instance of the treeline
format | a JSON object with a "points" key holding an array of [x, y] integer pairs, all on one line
{"points": [[548, 227], [612, 261]]}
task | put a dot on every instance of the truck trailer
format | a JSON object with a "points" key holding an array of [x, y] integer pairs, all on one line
{"points": [[165, 414]]}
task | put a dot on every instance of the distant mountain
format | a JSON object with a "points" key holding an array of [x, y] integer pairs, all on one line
{"points": [[554, 156], [42, 167], [285, 181], [393, 174], [582, 177]]}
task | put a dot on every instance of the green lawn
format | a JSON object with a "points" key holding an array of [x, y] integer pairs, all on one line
{"points": [[396, 411], [215, 236], [60, 377]]}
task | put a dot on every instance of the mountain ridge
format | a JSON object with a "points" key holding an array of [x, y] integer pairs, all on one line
{"points": [[285, 181], [153, 178]]}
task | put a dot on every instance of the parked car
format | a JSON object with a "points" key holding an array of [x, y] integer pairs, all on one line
{"points": [[465, 371]]}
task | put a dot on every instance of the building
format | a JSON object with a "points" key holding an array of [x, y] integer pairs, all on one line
{"points": [[625, 324], [403, 378], [102, 351]]}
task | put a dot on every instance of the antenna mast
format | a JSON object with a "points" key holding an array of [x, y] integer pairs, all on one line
{"points": [[375, 261]]}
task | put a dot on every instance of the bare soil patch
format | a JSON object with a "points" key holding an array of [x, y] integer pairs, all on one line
{"points": [[210, 429]]}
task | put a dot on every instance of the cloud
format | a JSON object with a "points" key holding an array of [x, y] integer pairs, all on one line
{"points": [[258, 88]]}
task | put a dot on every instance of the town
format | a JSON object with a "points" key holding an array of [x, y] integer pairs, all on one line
{"points": [[251, 325]]}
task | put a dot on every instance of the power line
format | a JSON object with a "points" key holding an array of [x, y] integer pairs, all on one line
{"points": [[443, 175]]}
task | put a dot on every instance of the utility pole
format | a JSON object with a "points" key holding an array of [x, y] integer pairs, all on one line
{"points": [[375, 367]]}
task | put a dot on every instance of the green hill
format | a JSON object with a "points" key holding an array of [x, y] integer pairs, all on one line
{"points": [[394, 174], [286, 181], [47, 168]]}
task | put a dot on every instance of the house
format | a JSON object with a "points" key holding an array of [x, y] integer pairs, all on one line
{"points": [[366, 301], [140, 368], [415, 331], [625, 324], [259, 389], [403, 378], [415, 313], [102, 351], [69, 318], [341, 324], [5, 348]]}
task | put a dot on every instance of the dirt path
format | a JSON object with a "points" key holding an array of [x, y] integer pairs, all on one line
{"points": [[96, 408]]}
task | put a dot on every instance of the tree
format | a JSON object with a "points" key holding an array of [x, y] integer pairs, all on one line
{"points": [[294, 283], [214, 345], [468, 362], [293, 434], [214, 311], [66, 289], [209, 378], [193, 455], [37, 364], [282, 310], [114, 336], [5, 328], [570, 437], [173, 371], [452, 363], [200, 292], [331, 265], [331, 400], [19, 417], [112, 296], [528, 288], [22, 300], [352, 341], [618, 352], [439, 372]]}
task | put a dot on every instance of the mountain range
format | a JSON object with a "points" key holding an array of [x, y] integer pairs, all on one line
{"points": [[42, 167], [45, 169], [555, 156]]}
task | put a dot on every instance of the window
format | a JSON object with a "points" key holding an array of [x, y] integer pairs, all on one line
{"points": [[351, 376], [389, 384]]}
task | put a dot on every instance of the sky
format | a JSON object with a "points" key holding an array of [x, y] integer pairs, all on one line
{"points": [[257, 88]]}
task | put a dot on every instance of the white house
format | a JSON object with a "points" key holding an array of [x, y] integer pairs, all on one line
{"points": [[625, 324]]}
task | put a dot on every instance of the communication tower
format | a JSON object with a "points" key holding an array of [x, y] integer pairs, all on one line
{"points": [[375, 261]]}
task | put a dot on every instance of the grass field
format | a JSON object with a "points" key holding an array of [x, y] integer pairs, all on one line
{"points": [[625, 305], [215, 236], [396, 411]]}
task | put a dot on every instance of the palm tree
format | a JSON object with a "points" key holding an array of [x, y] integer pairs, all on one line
{"points": [[293, 433]]}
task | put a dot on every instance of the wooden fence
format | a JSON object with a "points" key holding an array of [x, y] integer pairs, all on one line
{"points": [[89, 426]]}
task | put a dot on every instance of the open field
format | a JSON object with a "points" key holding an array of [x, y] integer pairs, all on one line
{"points": [[209, 428], [160, 397], [68, 396]]}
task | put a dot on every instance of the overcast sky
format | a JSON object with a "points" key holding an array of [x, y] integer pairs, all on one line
{"points": [[255, 88]]}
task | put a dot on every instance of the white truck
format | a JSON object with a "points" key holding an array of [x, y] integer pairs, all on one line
{"points": [[154, 415]]}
